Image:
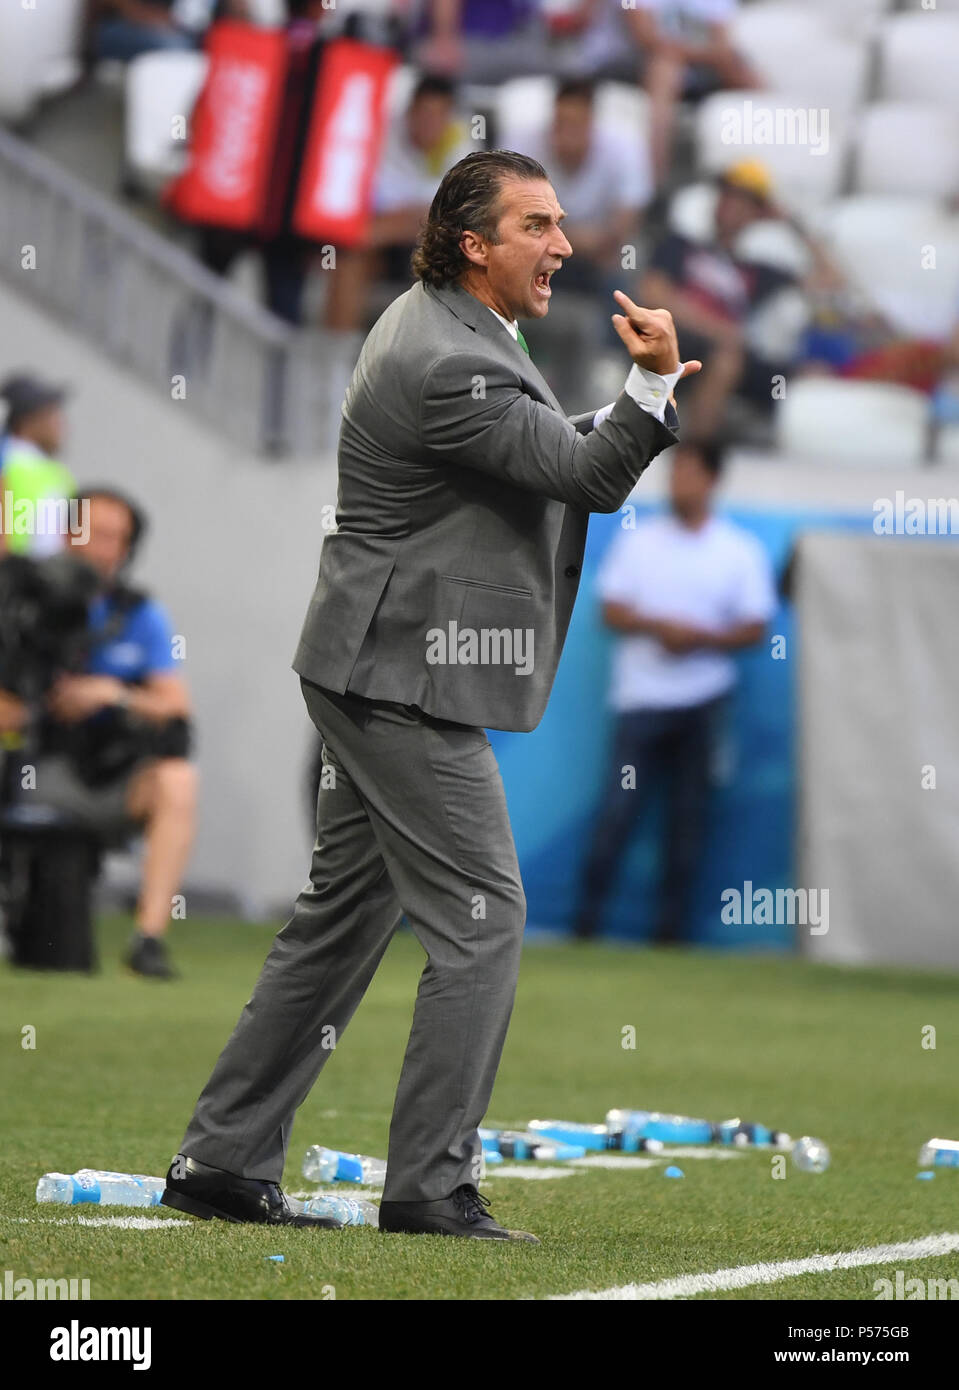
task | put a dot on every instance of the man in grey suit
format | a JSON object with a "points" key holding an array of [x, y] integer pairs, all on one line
{"points": [[440, 610]]}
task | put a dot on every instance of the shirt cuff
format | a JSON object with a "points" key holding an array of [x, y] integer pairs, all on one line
{"points": [[649, 390]]}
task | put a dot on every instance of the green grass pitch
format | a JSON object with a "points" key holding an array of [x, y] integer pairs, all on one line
{"points": [[838, 1053]]}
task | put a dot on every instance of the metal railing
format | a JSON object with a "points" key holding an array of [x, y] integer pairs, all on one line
{"points": [[157, 312]]}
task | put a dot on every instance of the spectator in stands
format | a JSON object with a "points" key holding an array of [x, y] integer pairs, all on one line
{"points": [[482, 40], [114, 750], [686, 54], [712, 293], [430, 138], [602, 179], [682, 592], [33, 483], [131, 27]]}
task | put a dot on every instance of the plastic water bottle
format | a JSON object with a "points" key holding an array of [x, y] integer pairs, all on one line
{"points": [[811, 1155], [939, 1153], [330, 1165], [101, 1188], [743, 1134], [515, 1144], [351, 1211], [569, 1132], [592, 1137], [635, 1125]]}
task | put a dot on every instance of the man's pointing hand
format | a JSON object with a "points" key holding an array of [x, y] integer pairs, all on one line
{"points": [[650, 337]]}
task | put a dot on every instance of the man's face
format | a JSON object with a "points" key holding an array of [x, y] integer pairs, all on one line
{"points": [[690, 483], [531, 246], [427, 120], [110, 533], [734, 211], [46, 428], [572, 128]]}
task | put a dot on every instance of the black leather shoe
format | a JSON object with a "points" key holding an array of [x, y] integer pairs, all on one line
{"points": [[206, 1192], [147, 955], [463, 1213]]}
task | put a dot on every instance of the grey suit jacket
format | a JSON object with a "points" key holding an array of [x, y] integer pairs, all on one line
{"points": [[463, 501]]}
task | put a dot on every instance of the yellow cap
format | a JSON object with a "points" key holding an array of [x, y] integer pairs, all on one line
{"points": [[750, 175]]}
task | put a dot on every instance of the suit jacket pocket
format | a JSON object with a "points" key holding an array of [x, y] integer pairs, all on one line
{"points": [[511, 589]]}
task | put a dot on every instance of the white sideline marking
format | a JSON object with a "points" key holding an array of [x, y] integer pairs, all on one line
{"points": [[617, 1161], [126, 1223], [701, 1151], [686, 1285], [531, 1170]]}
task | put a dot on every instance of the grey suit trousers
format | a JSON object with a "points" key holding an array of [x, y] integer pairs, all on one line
{"points": [[412, 819]]}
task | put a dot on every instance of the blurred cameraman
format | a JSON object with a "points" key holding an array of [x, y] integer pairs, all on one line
{"points": [[114, 741]]}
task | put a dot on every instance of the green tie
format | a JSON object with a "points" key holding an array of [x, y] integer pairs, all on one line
{"points": [[521, 340]]}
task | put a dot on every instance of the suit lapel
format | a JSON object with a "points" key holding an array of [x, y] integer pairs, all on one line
{"points": [[477, 315]]}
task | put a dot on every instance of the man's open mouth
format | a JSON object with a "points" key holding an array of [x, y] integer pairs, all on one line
{"points": [[541, 283]]}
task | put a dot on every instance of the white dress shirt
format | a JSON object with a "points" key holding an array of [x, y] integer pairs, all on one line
{"points": [[649, 390], [713, 577]]}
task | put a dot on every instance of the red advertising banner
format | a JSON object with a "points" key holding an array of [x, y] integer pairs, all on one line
{"points": [[344, 141], [233, 130]]}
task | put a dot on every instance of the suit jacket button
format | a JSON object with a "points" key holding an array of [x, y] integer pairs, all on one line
{"points": [[572, 571]]}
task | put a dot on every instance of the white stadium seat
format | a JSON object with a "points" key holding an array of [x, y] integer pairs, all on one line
{"points": [[886, 245], [39, 53], [856, 423], [908, 148], [691, 211], [732, 126], [159, 87], [797, 49], [268, 14], [855, 17], [919, 57]]}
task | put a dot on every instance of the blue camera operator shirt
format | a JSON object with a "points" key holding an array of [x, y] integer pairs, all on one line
{"points": [[142, 647]]}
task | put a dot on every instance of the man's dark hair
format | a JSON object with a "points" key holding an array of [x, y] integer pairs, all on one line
{"points": [[433, 84], [138, 517], [709, 453], [577, 88], [467, 199]]}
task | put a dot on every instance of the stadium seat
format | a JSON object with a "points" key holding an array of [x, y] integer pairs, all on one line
{"points": [[39, 54], [859, 423], [268, 14], [781, 40], [691, 211], [159, 87], [858, 18], [908, 148], [728, 129], [885, 245], [918, 57]]}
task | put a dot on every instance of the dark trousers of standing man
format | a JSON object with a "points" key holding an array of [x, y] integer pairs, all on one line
{"points": [[411, 819], [678, 747]]}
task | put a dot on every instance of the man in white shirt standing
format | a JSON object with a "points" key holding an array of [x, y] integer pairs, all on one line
{"points": [[683, 592]]}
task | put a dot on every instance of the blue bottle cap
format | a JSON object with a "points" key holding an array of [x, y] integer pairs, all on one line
{"points": [[925, 1177], [673, 1172], [278, 1258]]}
